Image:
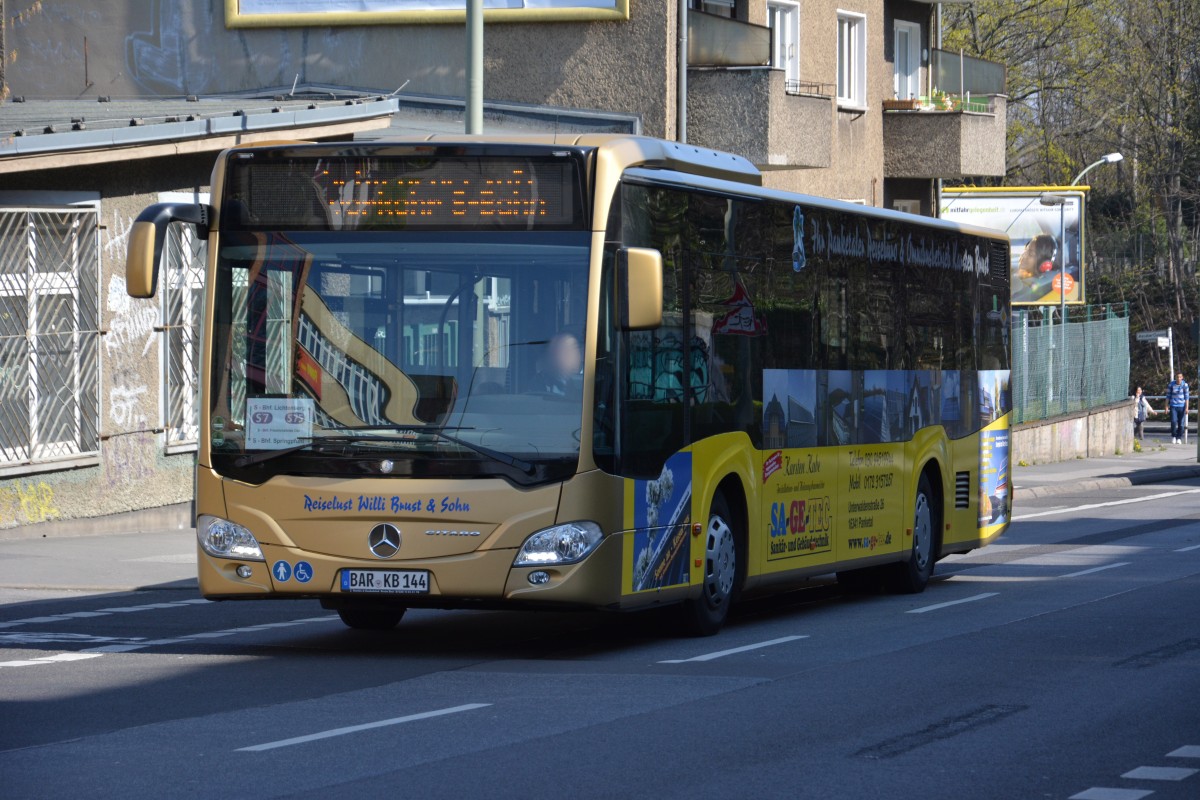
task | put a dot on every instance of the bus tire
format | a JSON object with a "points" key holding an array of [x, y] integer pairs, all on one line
{"points": [[371, 619], [912, 575], [704, 615]]}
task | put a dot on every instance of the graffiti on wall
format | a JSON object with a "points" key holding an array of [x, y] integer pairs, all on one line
{"points": [[27, 503], [130, 322]]}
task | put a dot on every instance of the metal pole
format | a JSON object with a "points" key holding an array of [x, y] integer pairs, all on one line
{"points": [[1062, 300], [474, 110], [681, 67], [1171, 353]]}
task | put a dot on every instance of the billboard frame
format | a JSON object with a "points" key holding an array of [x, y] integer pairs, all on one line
{"points": [[1007, 207]]}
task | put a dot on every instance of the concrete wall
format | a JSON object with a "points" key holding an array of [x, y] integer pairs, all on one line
{"points": [[134, 470], [1101, 432], [156, 48], [182, 47]]}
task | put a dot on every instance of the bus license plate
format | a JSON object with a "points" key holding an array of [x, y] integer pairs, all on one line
{"points": [[385, 581]]}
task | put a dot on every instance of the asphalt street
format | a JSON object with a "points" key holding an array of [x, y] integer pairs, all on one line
{"points": [[1062, 661]]}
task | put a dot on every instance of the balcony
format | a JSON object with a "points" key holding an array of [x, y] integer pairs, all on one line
{"points": [[957, 131], [739, 104], [750, 112]]}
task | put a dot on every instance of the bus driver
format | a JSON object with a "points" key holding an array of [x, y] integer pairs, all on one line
{"points": [[561, 369]]}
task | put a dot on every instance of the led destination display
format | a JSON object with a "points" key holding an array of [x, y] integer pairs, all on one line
{"points": [[348, 192]]}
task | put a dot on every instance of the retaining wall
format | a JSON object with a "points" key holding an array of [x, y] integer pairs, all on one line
{"points": [[1101, 431]]}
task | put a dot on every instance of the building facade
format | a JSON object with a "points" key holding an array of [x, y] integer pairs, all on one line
{"points": [[848, 99]]}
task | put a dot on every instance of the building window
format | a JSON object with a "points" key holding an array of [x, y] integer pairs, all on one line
{"points": [[184, 256], [49, 338], [851, 60], [783, 18], [719, 8], [907, 206], [907, 59]]}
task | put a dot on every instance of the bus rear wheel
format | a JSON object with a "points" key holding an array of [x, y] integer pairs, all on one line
{"points": [[371, 619], [704, 615], [911, 576]]}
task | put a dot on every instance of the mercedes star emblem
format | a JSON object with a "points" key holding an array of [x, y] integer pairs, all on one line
{"points": [[384, 540]]}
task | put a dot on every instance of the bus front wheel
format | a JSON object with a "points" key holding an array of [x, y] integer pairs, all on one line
{"points": [[911, 576], [370, 619], [704, 615]]}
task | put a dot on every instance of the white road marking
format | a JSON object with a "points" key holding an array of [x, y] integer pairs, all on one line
{"points": [[1187, 751], [312, 737], [731, 651], [1101, 793], [60, 657], [1095, 569], [129, 644], [1073, 509], [971, 599], [104, 612], [1186, 549], [1159, 773]]}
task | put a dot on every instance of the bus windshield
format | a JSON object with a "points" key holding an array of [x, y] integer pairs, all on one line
{"points": [[424, 354]]}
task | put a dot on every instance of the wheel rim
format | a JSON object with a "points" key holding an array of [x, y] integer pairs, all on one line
{"points": [[922, 532], [720, 562]]}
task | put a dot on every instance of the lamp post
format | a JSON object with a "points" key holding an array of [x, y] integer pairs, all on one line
{"points": [[1111, 158], [473, 113], [1048, 199]]}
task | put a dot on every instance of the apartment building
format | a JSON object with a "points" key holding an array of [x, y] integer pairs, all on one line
{"points": [[841, 98]]}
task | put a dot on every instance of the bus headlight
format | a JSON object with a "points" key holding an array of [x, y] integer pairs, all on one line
{"points": [[224, 539], [562, 544]]}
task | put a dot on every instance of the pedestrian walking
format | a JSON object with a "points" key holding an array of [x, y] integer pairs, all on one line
{"points": [[1141, 410], [1178, 396]]}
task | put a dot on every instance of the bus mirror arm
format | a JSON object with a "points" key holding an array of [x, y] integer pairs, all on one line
{"points": [[146, 238], [640, 277]]}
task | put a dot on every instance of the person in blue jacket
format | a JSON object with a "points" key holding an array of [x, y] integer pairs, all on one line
{"points": [[1178, 395]]}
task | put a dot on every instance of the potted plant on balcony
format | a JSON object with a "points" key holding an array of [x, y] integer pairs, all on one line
{"points": [[907, 104], [943, 101]]}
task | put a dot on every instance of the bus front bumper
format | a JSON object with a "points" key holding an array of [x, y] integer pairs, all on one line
{"points": [[482, 578]]}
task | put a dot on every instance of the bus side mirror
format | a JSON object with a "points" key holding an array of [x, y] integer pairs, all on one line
{"points": [[146, 237], [641, 277]]}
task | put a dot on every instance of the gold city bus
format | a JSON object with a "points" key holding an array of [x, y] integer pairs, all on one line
{"points": [[752, 387]]}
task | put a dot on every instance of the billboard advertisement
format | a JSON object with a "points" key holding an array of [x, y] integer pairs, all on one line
{"points": [[1047, 240]]}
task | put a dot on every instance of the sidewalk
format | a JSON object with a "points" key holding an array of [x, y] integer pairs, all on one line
{"points": [[1159, 461]]}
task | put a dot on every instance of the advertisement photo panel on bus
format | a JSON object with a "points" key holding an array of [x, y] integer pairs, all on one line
{"points": [[662, 515]]}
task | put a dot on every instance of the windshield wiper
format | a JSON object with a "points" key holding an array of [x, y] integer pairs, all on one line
{"points": [[495, 455], [440, 432], [267, 455]]}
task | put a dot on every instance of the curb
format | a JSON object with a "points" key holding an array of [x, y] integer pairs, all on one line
{"points": [[1155, 475]]}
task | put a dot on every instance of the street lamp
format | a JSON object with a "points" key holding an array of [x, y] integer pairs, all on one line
{"points": [[1048, 199], [1111, 158]]}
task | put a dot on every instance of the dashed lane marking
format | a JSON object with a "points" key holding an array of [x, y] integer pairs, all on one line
{"points": [[1102, 793], [55, 659], [1187, 751], [1073, 509], [312, 737], [131, 644], [1096, 569], [937, 606], [1159, 773], [732, 650], [103, 612]]}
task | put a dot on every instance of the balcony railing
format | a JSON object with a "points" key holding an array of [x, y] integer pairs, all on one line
{"points": [[719, 42], [941, 101], [798, 87], [962, 75]]}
